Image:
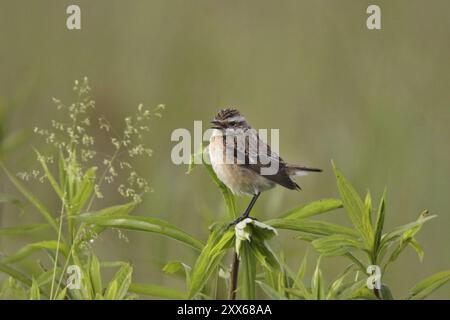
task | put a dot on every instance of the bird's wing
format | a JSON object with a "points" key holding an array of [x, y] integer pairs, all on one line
{"points": [[251, 152]]}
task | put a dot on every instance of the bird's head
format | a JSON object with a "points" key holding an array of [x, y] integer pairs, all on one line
{"points": [[229, 118]]}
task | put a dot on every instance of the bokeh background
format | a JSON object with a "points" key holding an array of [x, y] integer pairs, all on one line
{"points": [[377, 102]]}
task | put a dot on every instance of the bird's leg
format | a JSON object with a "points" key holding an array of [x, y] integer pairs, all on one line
{"points": [[247, 211], [250, 206]]}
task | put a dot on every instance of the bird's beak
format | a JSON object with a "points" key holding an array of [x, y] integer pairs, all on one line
{"points": [[216, 124]]}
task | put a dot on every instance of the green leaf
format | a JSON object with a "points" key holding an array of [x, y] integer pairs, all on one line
{"points": [[396, 252], [354, 291], [335, 287], [33, 247], [84, 192], [307, 237], [112, 264], [198, 158], [379, 224], [173, 267], [265, 255], [405, 236], [427, 286], [368, 205], [47, 276], [354, 206], [111, 291], [270, 292], [13, 290], [22, 229], [156, 291], [356, 261], [220, 239], [36, 202], [121, 282], [303, 266], [95, 275], [177, 266], [248, 272], [311, 226], [297, 294], [61, 295], [317, 284], [34, 291], [276, 279], [117, 210], [418, 248], [313, 209], [146, 224], [299, 288], [49, 176], [336, 245], [407, 230], [367, 219], [15, 274]]}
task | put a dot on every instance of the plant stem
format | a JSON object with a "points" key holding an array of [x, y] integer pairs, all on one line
{"points": [[234, 276], [235, 264], [377, 293], [63, 206], [61, 218], [373, 261]]}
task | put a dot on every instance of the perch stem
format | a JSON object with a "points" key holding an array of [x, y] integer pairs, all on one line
{"points": [[234, 276], [235, 263]]}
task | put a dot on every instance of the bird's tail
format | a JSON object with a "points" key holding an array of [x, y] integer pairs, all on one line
{"points": [[294, 170]]}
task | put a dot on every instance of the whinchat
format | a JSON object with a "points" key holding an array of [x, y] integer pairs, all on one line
{"points": [[246, 164]]}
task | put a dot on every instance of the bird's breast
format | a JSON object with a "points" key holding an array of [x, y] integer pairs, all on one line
{"points": [[239, 179]]}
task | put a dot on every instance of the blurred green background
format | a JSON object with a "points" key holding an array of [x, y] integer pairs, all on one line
{"points": [[377, 102]]}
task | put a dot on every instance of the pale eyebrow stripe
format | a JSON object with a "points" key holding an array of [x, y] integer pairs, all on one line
{"points": [[236, 119]]}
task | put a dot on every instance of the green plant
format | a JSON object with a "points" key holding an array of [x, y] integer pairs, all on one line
{"points": [[364, 244], [77, 172]]}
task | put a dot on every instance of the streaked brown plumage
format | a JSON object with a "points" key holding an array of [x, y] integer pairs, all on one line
{"points": [[239, 158]]}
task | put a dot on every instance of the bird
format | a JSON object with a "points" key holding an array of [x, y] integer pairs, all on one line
{"points": [[244, 162]]}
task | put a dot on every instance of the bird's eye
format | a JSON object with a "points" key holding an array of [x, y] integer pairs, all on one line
{"points": [[232, 123]]}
